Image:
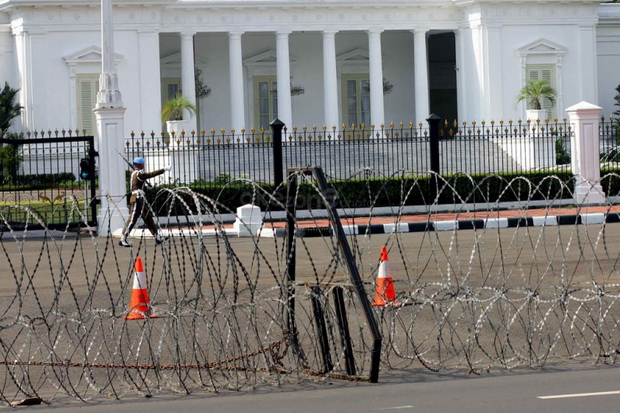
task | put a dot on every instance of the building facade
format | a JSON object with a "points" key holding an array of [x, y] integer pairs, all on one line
{"points": [[308, 62]]}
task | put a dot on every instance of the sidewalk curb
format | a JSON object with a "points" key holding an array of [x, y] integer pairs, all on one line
{"points": [[488, 223]]}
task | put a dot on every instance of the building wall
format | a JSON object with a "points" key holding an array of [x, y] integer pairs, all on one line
{"points": [[8, 62], [306, 71], [608, 59], [489, 37], [494, 37], [568, 73], [608, 56], [398, 70]]}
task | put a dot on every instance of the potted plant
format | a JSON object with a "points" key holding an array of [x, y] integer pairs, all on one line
{"points": [[534, 93], [172, 113]]}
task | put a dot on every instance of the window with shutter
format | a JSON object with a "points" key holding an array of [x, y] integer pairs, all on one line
{"points": [[356, 98], [265, 101], [170, 88], [87, 87], [547, 72]]}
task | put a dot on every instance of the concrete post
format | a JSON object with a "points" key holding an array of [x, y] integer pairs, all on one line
{"points": [[584, 118], [113, 209], [276, 130], [249, 220], [109, 114]]}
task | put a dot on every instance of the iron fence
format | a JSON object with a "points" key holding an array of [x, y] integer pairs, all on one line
{"points": [[505, 147], [213, 158], [42, 168], [40, 175]]}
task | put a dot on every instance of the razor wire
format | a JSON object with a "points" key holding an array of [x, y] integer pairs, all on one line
{"points": [[220, 305]]}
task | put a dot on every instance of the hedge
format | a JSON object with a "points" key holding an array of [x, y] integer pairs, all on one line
{"points": [[363, 193], [38, 181]]}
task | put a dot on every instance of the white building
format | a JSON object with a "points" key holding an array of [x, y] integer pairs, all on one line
{"points": [[463, 59]]}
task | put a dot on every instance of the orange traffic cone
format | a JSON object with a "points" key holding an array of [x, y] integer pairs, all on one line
{"points": [[139, 305], [385, 285]]}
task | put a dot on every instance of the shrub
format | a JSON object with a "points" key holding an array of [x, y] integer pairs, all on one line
{"points": [[366, 193]]}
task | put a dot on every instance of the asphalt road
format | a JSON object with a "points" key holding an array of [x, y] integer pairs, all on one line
{"points": [[416, 390], [569, 387]]}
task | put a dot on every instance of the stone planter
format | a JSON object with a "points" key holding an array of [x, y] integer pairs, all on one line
{"points": [[178, 126], [534, 115]]}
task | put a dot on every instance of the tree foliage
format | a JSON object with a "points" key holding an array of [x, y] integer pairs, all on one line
{"points": [[9, 108], [535, 91], [173, 109], [617, 99], [10, 157]]}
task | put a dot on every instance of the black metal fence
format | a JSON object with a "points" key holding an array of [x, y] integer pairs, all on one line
{"points": [[41, 170], [447, 148], [40, 177]]}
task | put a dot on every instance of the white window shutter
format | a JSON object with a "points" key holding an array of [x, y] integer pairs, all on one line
{"points": [[546, 75], [545, 72], [88, 85]]}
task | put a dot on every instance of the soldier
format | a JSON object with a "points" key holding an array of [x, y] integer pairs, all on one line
{"points": [[138, 208]]}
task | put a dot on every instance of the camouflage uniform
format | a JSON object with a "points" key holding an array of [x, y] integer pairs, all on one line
{"points": [[138, 208]]}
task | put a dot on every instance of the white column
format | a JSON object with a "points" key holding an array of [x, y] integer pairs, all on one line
{"points": [[466, 70], [109, 114], [377, 115], [559, 98], [6, 56], [22, 73], [587, 64], [108, 95], [237, 101], [460, 73], [31, 48], [493, 70], [476, 74], [420, 64], [585, 163], [10, 61], [188, 81], [150, 105], [34, 82], [285, 111], [330, 80]]}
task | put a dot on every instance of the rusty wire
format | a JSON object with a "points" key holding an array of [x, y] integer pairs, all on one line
{"points": [[471, 300]]}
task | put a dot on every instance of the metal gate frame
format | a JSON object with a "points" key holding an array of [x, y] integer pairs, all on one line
{"points": [[90, 183]]}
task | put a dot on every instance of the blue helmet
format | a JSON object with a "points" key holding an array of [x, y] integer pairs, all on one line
{"points": [[138, 160]]}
